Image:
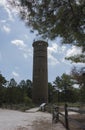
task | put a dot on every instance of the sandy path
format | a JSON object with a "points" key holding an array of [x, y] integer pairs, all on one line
{"points": [[16, 120]]}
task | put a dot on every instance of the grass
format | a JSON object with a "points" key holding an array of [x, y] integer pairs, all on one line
{"points": [[80, 118], [20, 107]]}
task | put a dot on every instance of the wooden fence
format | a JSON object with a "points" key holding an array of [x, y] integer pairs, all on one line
{"points": [[67, 118]]}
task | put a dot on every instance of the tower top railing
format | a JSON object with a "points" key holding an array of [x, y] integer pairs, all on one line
{"points": [[40, 42], [40, 39]]}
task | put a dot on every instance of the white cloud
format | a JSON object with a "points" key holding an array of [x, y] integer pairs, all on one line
{"points": [[19, 43], [52, 60], [15, 74], [3, 21], [4, 4], [23, 47], [8, 8], [6, 29], [53, 48], [63, 48], [79, 64], [73, 51], [65, 62]]}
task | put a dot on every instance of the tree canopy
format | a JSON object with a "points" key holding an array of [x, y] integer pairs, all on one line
{"points": [[79, 76], [64, 88], [64, 81], [2, 80], [53, 18]]}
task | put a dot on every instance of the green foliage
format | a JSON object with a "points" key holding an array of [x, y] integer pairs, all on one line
{"points": [[52, 95], [66, 91], [64, 81], [12, 83], [77, 58], [79, 76], [82, 94], [53, 18], [26, 87], [27, 100], [2, 80], [13, 93], [2, 83], [57, 83]]}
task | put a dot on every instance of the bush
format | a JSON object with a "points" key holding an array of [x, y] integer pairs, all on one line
{"points": [[27, 100]]}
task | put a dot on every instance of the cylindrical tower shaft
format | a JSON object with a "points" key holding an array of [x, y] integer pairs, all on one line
{"points": [[40, 72]]}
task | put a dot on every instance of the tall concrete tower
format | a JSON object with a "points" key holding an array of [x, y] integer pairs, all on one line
{"points": [[40, 72]]}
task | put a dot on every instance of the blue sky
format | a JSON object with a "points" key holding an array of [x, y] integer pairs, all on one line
{"points": [[16, 52]]}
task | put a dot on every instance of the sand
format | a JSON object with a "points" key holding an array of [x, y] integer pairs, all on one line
{"points": [[16, 120]]}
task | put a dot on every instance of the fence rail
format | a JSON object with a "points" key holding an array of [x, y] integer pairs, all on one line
{"points": [[78, 111], [67, 118]]}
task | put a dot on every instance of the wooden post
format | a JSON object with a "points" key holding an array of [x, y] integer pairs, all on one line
{"points": [[66, 117], [58, 113]]}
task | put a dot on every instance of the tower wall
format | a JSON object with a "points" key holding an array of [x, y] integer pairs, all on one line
{"points": [[40, 72]]}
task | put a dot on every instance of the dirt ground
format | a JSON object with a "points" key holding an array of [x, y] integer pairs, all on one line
{"points": [[16, 120], [80, 118]]}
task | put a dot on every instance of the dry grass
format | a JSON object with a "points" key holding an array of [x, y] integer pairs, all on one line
{"points": [[80, 118]]}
